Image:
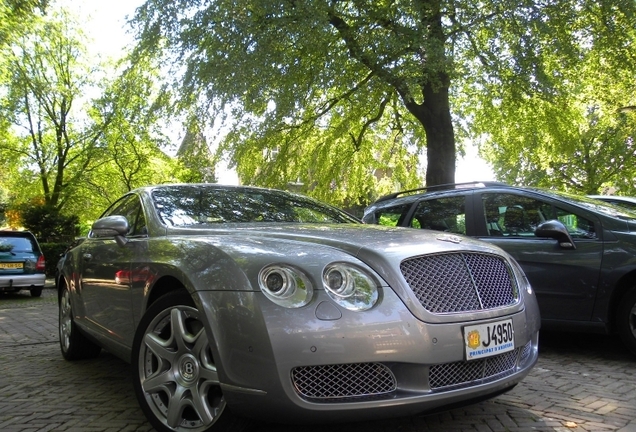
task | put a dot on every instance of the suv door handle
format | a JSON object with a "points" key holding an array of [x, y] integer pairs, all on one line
{"points": [[88, 257]]}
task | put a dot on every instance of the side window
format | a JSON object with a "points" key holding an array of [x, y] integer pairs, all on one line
{"points": [[392, 216], [130, 208], [510, 215], [443, 214], [577, 226]]}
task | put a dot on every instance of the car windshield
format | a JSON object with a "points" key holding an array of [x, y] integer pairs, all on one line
{"points": [[199, 204], [595, 205]]}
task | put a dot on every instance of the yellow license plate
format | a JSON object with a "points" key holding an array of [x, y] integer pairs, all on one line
{"points": [[11, 265]]}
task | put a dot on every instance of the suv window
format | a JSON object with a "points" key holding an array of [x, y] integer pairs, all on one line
{"points": [[392, 216], [577, 226], [442, 214], [511, 215]]}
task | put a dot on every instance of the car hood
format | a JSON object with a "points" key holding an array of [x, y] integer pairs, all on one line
{"points": [[373, 244], [382, 249]]}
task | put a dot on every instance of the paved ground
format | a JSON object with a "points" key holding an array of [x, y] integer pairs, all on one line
{"points": [[581, 383]]}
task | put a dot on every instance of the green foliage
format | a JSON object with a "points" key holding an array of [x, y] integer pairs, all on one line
{"points": [[79, 154], [15, 16], [565, 126], [127, 120], [331, 86], [46, 82], [337, 90], [4, 203], [47, 224], [52, 253]]}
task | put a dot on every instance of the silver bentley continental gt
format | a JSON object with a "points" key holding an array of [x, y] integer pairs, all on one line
{"points": [[237, 302]]}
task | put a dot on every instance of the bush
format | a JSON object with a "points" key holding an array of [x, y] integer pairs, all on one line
{"points": [[52, 253], [48, 225]]}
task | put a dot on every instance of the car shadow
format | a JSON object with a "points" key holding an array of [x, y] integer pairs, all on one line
{"points": [[23, 295], [589, 345], [112, 377]]}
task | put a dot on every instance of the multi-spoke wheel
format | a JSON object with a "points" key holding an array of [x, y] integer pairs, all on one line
{"points": [[626, 320], [73, 343], [175, 377]]}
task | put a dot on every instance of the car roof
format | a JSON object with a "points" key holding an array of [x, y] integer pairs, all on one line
{"points": [[614, 198], [412, 195], [449, 187], [15, 233]]}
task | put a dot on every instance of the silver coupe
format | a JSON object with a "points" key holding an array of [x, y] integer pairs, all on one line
{"points": [[237, 302]]}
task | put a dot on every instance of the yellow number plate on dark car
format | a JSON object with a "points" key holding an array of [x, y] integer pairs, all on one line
{"points": [[485, 340], [13, 265]]}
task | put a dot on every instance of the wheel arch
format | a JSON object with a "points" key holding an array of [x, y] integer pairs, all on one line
{"points": [[60, 283], [622, 287], [163, 286]]}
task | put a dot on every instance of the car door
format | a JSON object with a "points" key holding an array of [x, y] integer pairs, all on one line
{"points": [[565, 279], [106, 275]]}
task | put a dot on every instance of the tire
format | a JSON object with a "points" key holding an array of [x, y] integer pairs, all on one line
{"points": [[626, 320], [36, 291], [73, 344], [169, 365]]}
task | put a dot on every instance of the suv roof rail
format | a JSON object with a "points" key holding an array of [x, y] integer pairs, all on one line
{"points": [[441, 187]]}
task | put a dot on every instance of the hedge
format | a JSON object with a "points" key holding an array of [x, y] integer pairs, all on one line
{"points": [[52, 253]]}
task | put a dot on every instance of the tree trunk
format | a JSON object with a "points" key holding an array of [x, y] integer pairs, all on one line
{"points": [[434, 114]]}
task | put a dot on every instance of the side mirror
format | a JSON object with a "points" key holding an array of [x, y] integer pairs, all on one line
{"points": [[556, 230], [111, 226]]}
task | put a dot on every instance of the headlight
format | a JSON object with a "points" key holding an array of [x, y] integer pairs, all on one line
{"points": [[350, 287], [285, 286]]}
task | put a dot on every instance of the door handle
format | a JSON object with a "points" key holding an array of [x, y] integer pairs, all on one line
{"points": [[88, 257]]}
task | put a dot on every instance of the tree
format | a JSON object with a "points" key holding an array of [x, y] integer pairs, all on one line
{"points": [[76, 152], [127, 118], [321, 82], [14, 16], [53, 142], [576, 132]]}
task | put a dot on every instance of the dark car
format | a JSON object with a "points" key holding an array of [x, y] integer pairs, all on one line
{"points": [[255, 302], [578, 253], [22, 264]]}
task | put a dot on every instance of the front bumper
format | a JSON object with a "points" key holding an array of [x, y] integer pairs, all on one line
{"points": [[17, 282], [325, 363]]}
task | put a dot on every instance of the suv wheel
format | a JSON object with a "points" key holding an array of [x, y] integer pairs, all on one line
{"points": [[626, 320]]}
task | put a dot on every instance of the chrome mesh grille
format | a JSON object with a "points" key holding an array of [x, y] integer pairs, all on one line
{"points": [[525, 351], [464, 374], [342, 381], [460, 282]]}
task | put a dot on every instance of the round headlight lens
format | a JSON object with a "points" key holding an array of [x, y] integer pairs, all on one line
{"points": [[350, 286], [285, 286], [275, 281]]}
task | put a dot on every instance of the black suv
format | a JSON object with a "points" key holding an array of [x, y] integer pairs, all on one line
{"points": [[578, 253], [22, 264]]}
